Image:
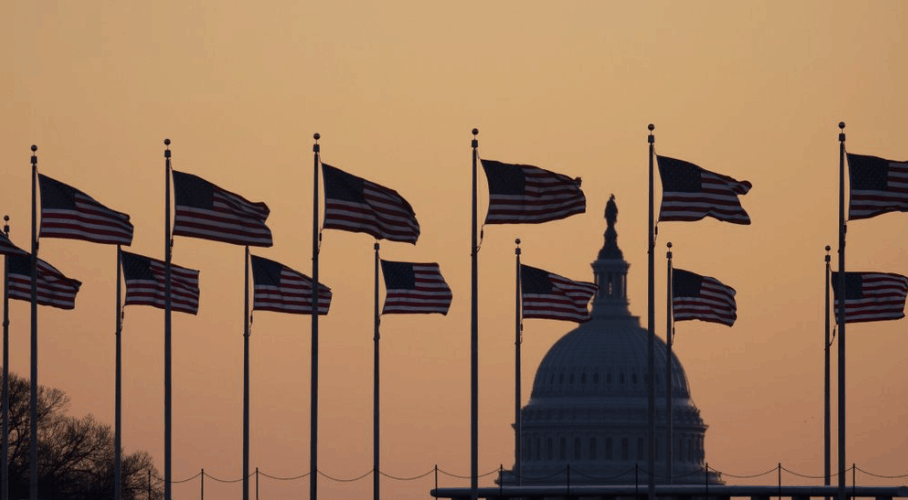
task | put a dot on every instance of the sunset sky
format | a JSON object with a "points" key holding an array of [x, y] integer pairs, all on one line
{"points": [[753, 90]]}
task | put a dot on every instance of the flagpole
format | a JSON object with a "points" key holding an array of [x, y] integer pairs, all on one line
{"points": [[650, 326], [313, 394], [118, 421], [4, 445], [168, 381], [841, 308], [375, 394], [826, 399], [246, 377], [518, 327], [33, 405], [474, 341], [669, 330]]}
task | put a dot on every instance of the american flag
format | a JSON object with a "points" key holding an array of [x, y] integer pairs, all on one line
{"points": [[549, 296], [524, 194], [691, 193], [206, 211], [281, 289], [357, 205], [8, 248], [54, 289], [703, 298], [145, 281], [877, 186], [871, 296], [413, 288], [69, 213]]}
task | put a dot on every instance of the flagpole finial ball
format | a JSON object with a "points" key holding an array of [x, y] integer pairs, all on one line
{"points": [[6, 218], [828, 248], [842, 125], [517, 241], [34, 148], [317, 136], [167, 142], [475, 131], [651, 127], [669, 245]]}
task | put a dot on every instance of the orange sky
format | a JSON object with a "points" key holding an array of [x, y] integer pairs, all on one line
{"points": [[753, 90]]}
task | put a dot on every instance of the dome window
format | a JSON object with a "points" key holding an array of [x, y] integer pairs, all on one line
{"points": [[577, 448], [625, 449], [608, 448], [562, 449], [593, 448], [596, 378], [634, 378], [583, 378], [548, 449], [560, 378], [571, 380]]}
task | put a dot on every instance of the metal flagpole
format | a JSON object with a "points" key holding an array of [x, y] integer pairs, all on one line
{"points": [[841, 308], [669, 330], [167, 327], [246, 333], [474, 341], [518, 339], [375, 393], [4, 445], [313, 394], [826, 399], [118, 414], [33, 405], [650, 326]]}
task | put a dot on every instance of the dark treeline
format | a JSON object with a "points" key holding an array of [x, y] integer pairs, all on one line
{"points": [[75, 455]]}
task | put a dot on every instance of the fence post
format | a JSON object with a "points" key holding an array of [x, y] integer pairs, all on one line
{"points": [[202, 497], [853, 470], [256, 483], [569, 479], [780, 480], [500, 479]]}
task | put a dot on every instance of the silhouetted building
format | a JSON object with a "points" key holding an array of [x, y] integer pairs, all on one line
{"points": [[588, 408]]}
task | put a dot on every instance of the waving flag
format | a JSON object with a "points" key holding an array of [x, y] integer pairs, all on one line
{"points": [[8, 248], [203, 210], [413, 288], [549, 296], [877, 186], [702, 298], [54, 289], [524, 194], [67, 212], [144, 279], [360, 206], [690, 193], [871, 296], [281, 289]]}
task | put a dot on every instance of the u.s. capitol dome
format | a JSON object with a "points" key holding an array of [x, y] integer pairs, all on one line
{"points": [[587, 414]]}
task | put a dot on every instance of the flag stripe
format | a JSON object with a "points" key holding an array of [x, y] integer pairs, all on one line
{"points": [[877, 186], [690, 193], [69, 213], [281, 289], [145, 284], [54, 289], [415, 288], [524, 194], [204, 210], [703, 298], [549, 296], [361, 206], [871, 296]]}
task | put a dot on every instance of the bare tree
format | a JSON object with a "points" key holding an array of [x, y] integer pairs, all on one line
{"points": [[75, 455]]}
